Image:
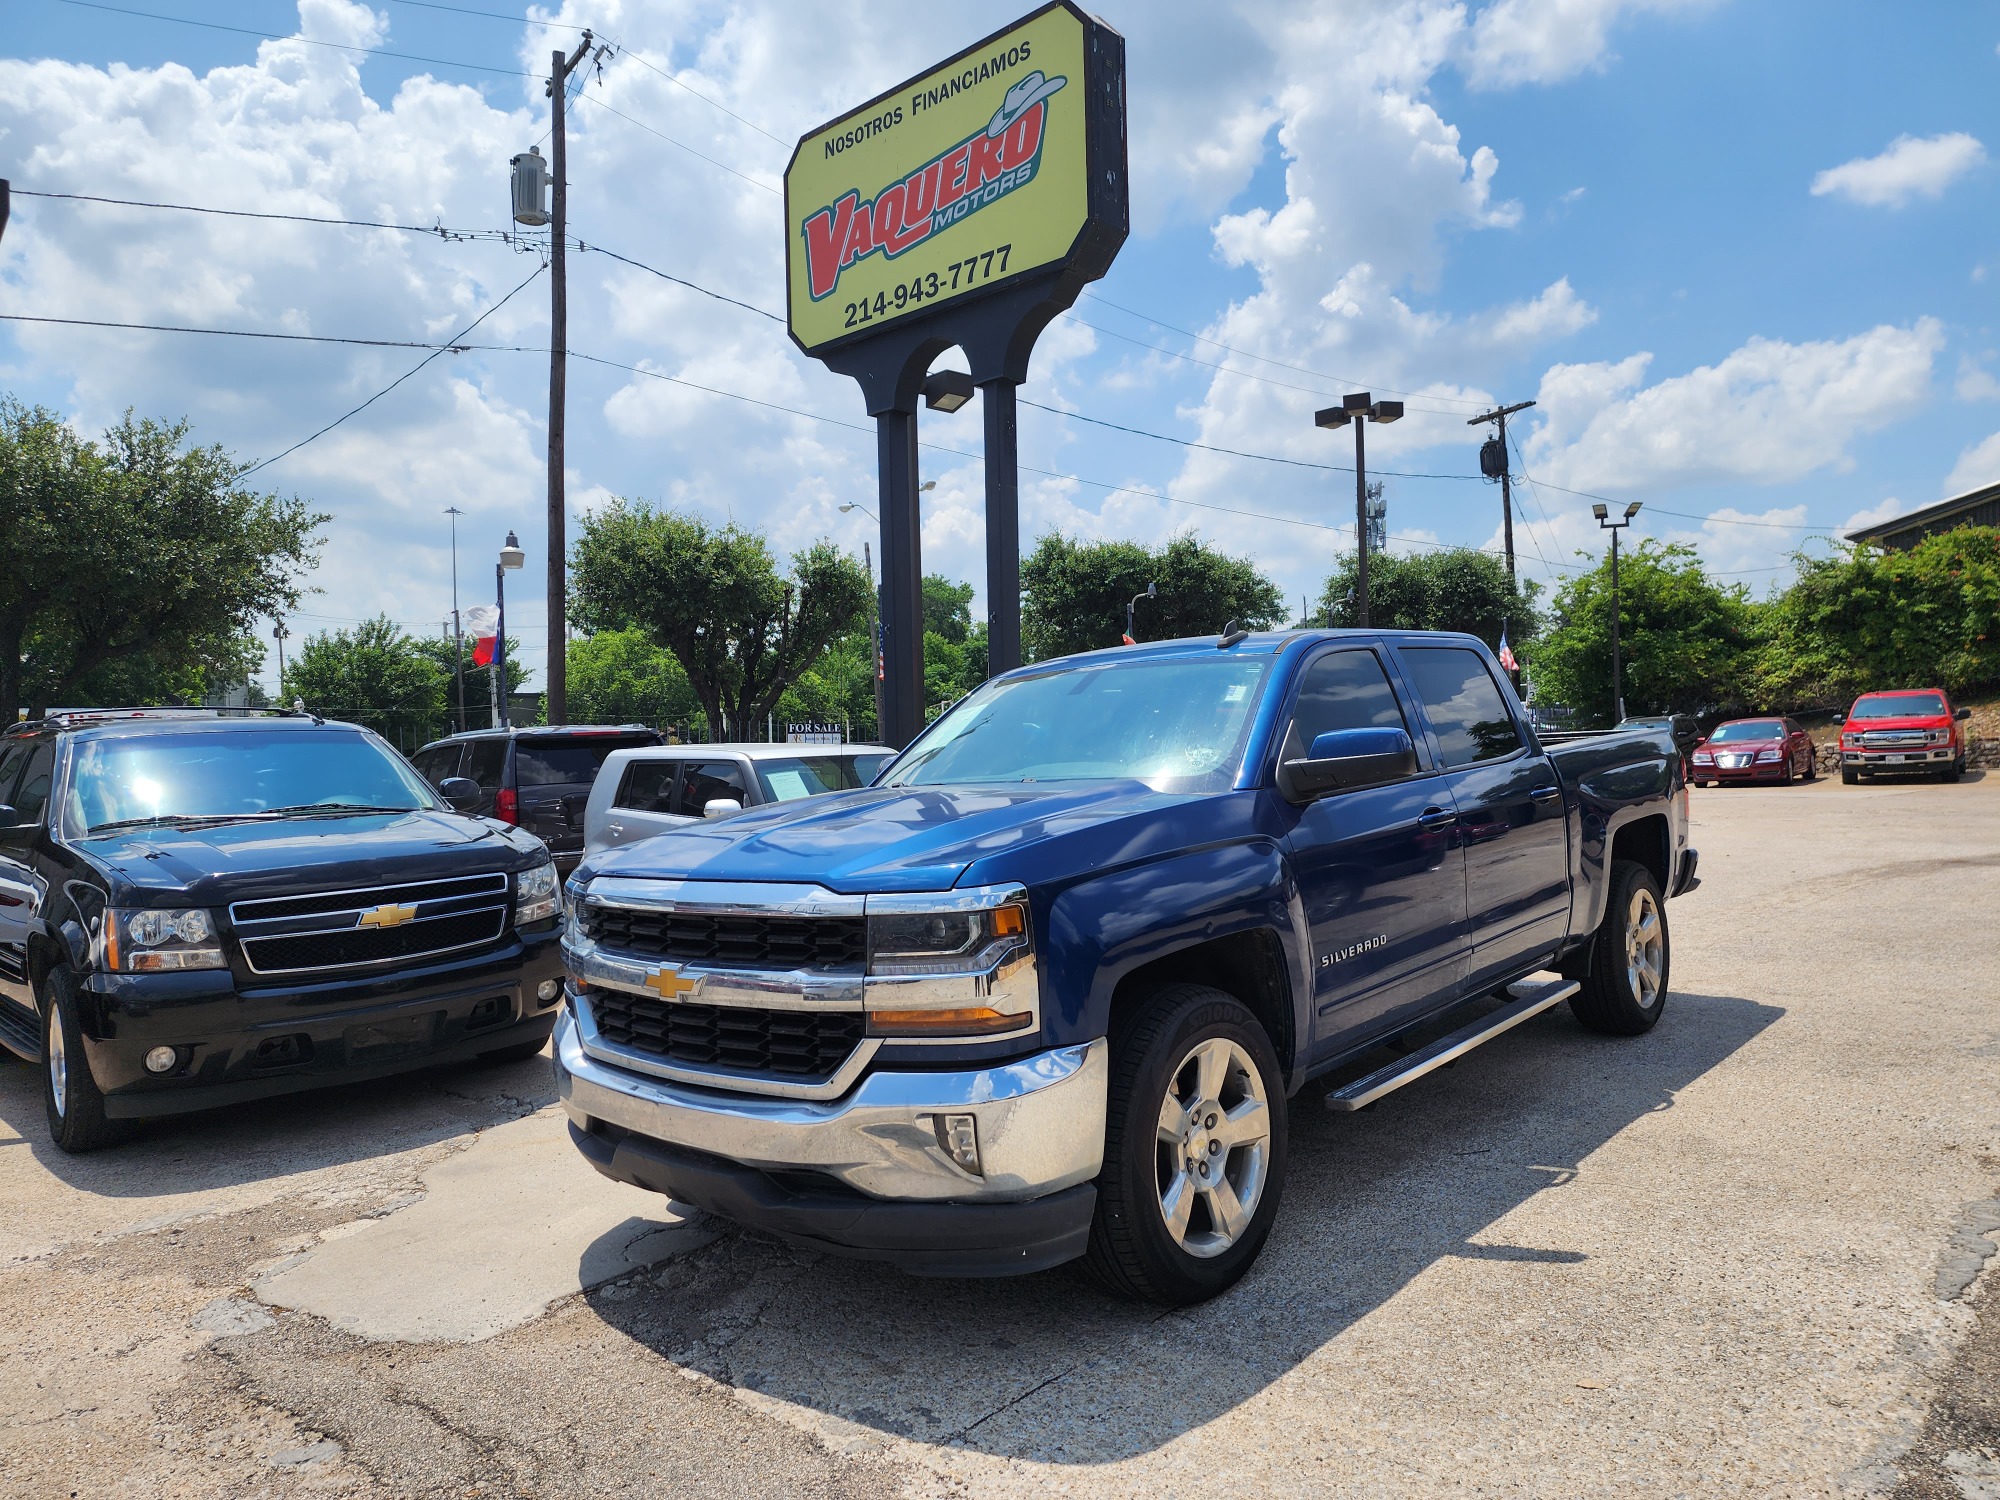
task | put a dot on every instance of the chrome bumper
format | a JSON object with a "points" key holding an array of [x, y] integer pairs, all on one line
{"points": [[1040, 1122]]}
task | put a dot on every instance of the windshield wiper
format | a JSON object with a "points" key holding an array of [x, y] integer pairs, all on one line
{"points": [[174, 820], [337, 809]]}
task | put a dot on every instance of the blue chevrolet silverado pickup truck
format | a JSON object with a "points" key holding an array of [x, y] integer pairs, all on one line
{"points": [[1047, 989]]}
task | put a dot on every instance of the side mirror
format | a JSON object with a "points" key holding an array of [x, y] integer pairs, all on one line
{"points": [[462, 792], [1963, 713], [1840, 718], [12, 829], [721, 807], [1343, 760]]}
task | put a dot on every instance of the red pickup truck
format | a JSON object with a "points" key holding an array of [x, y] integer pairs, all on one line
{"points": [[1901, 732]]}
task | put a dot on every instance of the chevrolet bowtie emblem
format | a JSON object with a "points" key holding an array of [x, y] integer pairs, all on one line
{"points": [[387, 916], [668, 984]]}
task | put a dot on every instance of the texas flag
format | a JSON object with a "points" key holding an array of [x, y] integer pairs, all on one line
{"points": [[482, 623], [1507, 653]]}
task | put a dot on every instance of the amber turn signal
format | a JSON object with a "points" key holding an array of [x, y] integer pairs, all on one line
{"points": [[977, 1020]]}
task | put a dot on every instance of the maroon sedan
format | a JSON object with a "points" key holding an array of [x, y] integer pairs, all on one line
{"points": [[1754, 750]]}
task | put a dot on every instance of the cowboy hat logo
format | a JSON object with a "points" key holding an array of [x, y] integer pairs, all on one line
{"points": [[1021, 98]]}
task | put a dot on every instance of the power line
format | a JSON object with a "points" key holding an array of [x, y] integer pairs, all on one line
{"points": [[491, 15], [266, 463], [640, 59], [598, 103], [451, 235], [453, 347], [273, 36], [680, 281]]}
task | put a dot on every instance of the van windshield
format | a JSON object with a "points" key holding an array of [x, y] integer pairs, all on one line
{"points": [[1176, 723], [218, 775]]}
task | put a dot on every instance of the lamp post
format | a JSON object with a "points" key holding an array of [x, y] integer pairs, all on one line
{"points": [[875, 600], [511, 556], [1604, 520], [1152, 592], [457, 631], [1360, 408], [278, 634]]}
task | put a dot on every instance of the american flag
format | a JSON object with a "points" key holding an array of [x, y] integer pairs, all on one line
{"points": [[1507, 653]]}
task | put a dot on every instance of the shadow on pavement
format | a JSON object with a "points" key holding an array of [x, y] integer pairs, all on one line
{"points": [[1049, 1369], [267, 1138]]}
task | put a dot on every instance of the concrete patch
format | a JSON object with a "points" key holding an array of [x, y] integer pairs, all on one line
{"points": [[229, 1316], [506, 1227], [1972, 1245]]}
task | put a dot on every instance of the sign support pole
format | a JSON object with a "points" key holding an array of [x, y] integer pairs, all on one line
{"points": [[902, 578], [1003, 527]]}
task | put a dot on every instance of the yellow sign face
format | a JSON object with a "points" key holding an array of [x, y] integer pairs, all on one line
{"points": [[967, 175]]}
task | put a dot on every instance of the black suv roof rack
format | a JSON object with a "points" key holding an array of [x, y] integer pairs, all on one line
{"points": [[65, 718]]}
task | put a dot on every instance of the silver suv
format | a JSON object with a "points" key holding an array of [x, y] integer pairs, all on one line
{"points": [[656, 789]]}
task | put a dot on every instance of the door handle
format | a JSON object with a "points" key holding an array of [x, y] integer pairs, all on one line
{"points": [[616, 830], [1433, 818], [1545, 793]]}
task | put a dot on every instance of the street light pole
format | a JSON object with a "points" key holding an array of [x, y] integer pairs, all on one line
{"points": [[1359, 408], [278, 634], [511, 556], [457, 631], [1604, 520]]}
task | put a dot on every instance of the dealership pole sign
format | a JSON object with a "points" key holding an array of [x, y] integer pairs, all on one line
{"points": [[965, 207]]}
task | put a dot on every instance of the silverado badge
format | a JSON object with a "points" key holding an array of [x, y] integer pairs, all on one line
{"points": [[668, 984], [391, 915]]}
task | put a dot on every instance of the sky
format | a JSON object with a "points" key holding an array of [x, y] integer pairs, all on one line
{"points": [[1740, 255]]}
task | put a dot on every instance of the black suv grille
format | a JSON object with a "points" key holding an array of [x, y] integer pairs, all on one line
{"points": [[367, 945], [343, 901], [763, 942], [794, 1043]]}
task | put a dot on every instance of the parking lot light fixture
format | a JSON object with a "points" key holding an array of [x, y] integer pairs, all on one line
{"points": [[1360, 408], [1603, 514], [511, 556], [947, 390]]}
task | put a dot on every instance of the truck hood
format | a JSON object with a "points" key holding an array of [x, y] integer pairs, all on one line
{"points": [[237, 861], [880, 839]]}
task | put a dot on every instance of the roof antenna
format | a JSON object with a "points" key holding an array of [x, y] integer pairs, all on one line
{"points": [[1232, 634]]}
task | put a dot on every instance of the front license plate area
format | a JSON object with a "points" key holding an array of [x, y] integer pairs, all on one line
{"points": [[1893, 759], [384, 1041]]}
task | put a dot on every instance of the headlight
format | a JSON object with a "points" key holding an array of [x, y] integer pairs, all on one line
{"points": [[964, 968], [139, 942], [1703, 758], [1770, 755], [1940, 736], [535, 894]]}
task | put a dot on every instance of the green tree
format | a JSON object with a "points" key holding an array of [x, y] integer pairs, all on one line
{"points": [[478, 680], [138, 546], [1075, 593], [372, 675], [947, 608], [1866, 618], [197, 672], [1451, 589], [621, 677], [1688, 644], [714, 597]]}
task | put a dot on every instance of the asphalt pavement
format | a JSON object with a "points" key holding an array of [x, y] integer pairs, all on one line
{"points": [[1747, 1253]]}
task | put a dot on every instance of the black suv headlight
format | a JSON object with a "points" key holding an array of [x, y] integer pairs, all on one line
{"points": [[155, 939], [535, 894]]}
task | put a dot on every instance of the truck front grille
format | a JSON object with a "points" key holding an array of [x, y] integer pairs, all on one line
{"points": [[728, 938], [328, 930], [1895, 739], [370, 945], [790, 1043]]}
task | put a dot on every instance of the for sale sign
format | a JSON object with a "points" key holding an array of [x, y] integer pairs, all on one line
{"points": [[958, 181]]}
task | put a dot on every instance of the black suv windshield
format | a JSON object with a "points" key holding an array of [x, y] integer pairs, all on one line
{"points": [[128, 780], [1176, 723], [1899, 706]]}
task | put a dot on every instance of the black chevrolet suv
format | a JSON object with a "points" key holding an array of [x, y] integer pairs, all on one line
{"points": [[197, 909]]}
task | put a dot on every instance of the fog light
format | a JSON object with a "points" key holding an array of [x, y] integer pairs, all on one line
{"points": [[959, 1136], [162, 1059], [547, 991]]}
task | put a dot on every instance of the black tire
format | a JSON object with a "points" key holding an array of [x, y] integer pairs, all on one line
{"points": [[74, 1104], [1952, 772], [518, 1052], [1812, 766], [1848, 776], [1132, 1251], [1789, 776], [1611, 1001]]}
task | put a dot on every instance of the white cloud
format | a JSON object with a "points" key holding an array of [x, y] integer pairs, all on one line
{"points": [[1868, 515], [1977, 465], [1909, 168], [1514, 42], [1767, 413], [1975, 381]]}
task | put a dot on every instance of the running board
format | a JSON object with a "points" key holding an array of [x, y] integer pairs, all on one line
{"points": [[1386, 1080], [18, 1031]]}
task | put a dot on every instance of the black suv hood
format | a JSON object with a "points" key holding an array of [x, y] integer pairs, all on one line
{"points": [[238, 861]]}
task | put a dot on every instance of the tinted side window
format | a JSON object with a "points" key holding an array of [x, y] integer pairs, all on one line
{"points": [[1343, 690], [12, 758], [487, 760], [703, 781], [554, 762], [437, 762], [648, 786], [1464, 704], [33, 792]]}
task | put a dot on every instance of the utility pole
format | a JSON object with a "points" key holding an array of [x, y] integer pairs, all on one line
{"points": [[1497, 447], [278, 634], [558, 607], [457, 631]]}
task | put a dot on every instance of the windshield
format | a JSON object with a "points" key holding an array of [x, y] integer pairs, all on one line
{"points": [[1900, 706], [1176, 723], [567, 762], [809, 775], [1749, 729], [217, 774]]}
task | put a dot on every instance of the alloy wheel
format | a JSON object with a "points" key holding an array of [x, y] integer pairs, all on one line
{"points": [[1213, 1147], [1645, 947], [58, 1062]]}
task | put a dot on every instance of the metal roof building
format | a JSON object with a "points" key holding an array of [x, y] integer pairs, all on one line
{"points": [[1980, 507]]}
